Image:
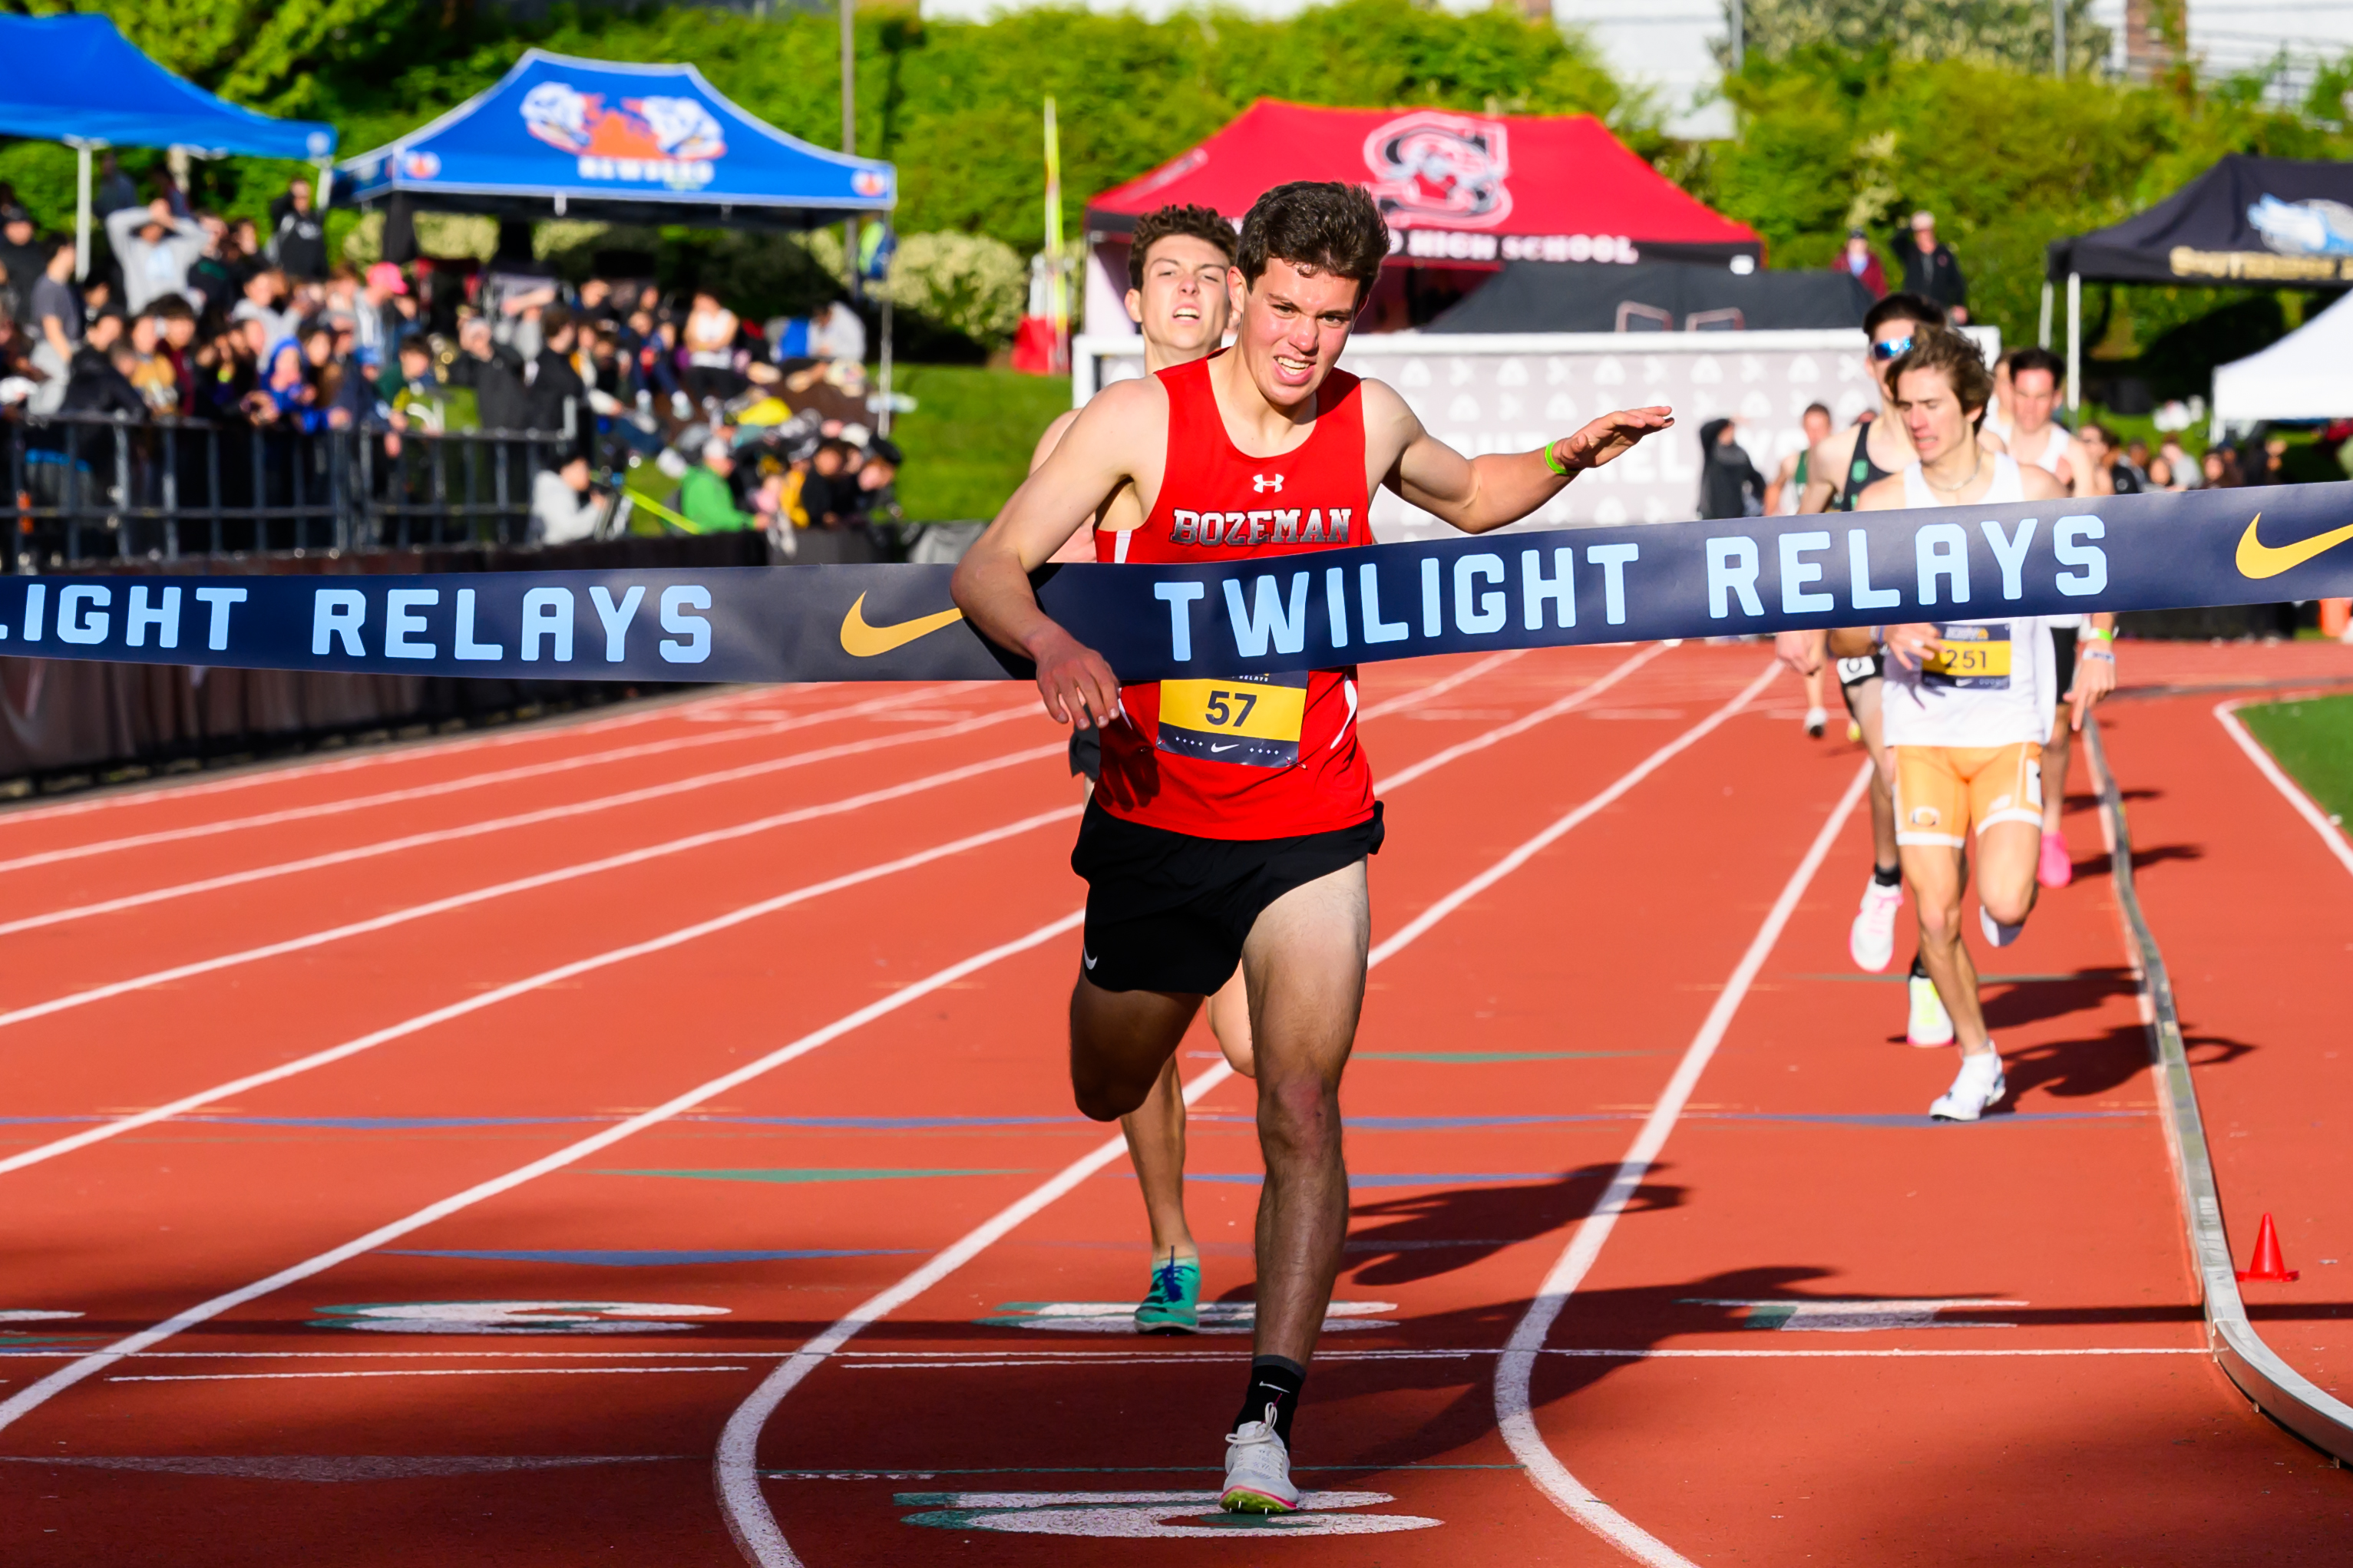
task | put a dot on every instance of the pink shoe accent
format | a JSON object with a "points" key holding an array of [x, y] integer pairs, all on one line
{"points": [[2057, 867]]}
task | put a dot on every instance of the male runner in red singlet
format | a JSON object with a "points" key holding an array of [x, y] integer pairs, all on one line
{"points": [[1839, 471], [1176, 293], [1234, 816]]}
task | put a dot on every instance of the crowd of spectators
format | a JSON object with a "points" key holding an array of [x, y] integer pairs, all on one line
{"points": [[194, 316]]}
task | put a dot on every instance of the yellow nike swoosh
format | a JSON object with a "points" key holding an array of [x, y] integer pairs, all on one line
{"points": [[859, 640], [2258, 561]]}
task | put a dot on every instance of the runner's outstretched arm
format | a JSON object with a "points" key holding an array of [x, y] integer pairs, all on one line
{"points": [[1476, 494], [992, 582]]}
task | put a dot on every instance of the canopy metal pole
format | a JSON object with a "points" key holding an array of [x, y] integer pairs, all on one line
{"points": [[849, 12], [326, 183], [2059, 38], [81, 211], [2074, 341], [883, 419], [2043, 329], [1739, 36]]}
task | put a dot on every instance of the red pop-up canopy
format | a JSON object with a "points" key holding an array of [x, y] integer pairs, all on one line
{"points": [[1455, 187]]}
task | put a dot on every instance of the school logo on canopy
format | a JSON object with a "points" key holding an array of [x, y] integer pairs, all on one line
{"points": [[660, 140], [1430, 167]]}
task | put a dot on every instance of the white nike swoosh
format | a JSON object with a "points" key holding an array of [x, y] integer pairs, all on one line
{"points": [[1215, 750], [1088, 956]]}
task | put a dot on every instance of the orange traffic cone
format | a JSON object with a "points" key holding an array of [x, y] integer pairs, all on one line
{"points": [[2270, 1267]]}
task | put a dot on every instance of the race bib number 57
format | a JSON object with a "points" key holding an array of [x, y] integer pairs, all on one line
{"points": [[1253, 719]]}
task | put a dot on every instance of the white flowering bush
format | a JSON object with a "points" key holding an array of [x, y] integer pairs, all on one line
{"points": [[968, 283]]}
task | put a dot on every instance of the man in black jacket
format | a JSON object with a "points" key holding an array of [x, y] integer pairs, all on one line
{"points": [[95, 386], [1729, 484], [556, 390], [495, 372], [298, 237], [1929, 269]]}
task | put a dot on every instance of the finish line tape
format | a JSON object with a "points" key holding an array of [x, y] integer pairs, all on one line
{"points": [[1253, 616]]}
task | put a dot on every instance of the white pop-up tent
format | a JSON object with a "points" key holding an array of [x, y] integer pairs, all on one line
{"points": [[2308, 374]]}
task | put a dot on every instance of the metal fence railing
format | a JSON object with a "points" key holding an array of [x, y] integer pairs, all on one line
{"points": [[85, 488]]}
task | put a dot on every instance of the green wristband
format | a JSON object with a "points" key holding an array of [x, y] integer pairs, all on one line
{"points": [[1550, 463]]}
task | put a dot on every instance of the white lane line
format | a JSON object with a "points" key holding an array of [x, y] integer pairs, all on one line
{"points": [[521, 819], [520, 884], [420, 1371], [1524, 724], [1602, 802], [736, 1465], [1514, 1414], [562, 972], [1463, 676], [2330, 834], [36, 1394], [168, 789], [451, 787]]}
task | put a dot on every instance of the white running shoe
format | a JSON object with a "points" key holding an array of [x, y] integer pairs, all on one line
{"points": [[1976, 1089], [1930, 1024], [1994, 932], [1870, 941], [1258, 1470], [1817, 721]]}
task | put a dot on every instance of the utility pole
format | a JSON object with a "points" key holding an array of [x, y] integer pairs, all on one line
{"points": [[848, 9], [2059, 38], [1740, 34]]}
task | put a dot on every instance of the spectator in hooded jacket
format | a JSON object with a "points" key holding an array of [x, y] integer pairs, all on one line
{"points": [[154, 250], [297, 239], [1729, 484]]}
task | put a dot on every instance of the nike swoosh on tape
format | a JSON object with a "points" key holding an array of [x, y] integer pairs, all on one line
{"points": [[2258, 561], [860, 640], [1214, 749]]}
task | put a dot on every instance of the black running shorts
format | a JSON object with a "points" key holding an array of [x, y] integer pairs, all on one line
{"points": [[2063, 659], [1168, 912], [1086, 753]]}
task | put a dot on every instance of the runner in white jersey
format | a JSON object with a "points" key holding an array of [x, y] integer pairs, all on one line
{"points": [[1177, 296], [2038, 439], [1967, 705]]}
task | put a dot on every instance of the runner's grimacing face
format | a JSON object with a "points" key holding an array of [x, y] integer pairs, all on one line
{"points": [[1290, 328], [1931, 414], [1182, 305], [2034, 395]]}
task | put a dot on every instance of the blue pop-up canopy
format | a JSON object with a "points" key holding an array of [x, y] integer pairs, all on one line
{"points": [[78, 79], [628, 144]]}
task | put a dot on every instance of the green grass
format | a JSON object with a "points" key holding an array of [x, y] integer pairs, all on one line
{"points": [[969, 439], [2313, 739]]}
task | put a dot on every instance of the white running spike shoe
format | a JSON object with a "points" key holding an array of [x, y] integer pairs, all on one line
{"points": [[1994, 932], [1930, 1024], [1817, 721], [1870, 941], [1976, 1089], [1258, 1470]]}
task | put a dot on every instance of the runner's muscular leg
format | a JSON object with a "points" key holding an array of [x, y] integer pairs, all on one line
{"points": [[1229, 1021], [2006, 854], [1120, 1043], [2057, 752], [1306, 964], [1862, 702], [1936, 874]]}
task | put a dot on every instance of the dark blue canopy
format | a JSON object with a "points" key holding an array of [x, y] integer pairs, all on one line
{"points": [[79, 79], [630, 143]]}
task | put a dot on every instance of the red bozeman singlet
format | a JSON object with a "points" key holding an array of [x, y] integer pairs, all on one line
{"points": [[1267, 756]]}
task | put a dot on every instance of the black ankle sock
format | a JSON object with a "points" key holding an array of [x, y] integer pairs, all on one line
{"points": [[1887, 875], [1275, 1380], [1919, 967]]}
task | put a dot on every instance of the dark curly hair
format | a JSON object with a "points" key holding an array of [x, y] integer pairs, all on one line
{"points": [[1941, 348], [1317, 225], [1192, 222]]}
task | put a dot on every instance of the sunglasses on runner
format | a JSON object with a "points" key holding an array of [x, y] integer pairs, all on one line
{"points": [[1892, 348]]}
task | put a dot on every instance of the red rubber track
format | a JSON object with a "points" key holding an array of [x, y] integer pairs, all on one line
{"points": [[1567, 993]]}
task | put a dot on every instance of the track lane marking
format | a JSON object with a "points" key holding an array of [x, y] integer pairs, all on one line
{"points": [[2290, 791], [475, 1004], [735, 1467], [36, 1394], [116, 1127], [1515, 1416], [359, 852], [435, 790], [518, 885], [259, 773]]}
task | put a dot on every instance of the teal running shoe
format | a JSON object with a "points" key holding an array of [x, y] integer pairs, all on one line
{"points": [[1174, 1303]]}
